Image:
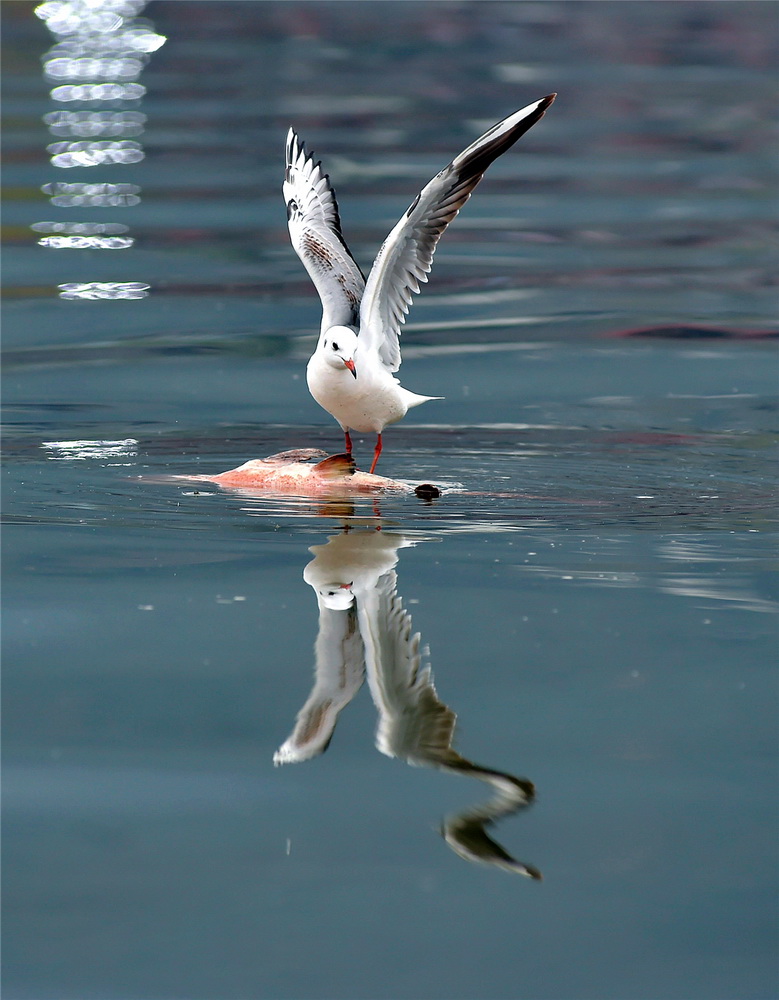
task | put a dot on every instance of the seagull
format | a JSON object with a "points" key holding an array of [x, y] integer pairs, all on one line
{"points": [[351, 372]]}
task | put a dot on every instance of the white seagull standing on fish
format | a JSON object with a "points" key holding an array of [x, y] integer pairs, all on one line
{"points": [[350, 373]]}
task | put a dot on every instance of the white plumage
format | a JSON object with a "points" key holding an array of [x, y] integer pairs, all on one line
{"points": [[351, 372]]}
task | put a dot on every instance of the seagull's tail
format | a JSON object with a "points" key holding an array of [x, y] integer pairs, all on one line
{"points": [[413, 399]]}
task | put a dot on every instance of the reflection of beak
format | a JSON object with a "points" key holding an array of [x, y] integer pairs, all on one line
{"points": [[350, 365]]}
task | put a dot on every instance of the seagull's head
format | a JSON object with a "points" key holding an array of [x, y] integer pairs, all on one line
{"points": [[338, 346]]}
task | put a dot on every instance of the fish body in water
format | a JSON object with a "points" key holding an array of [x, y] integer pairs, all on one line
{"points": [[296, 473]]}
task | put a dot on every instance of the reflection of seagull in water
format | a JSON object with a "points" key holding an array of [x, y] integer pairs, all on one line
{"points": [[363, 627], [351, 372], [347, 565]]}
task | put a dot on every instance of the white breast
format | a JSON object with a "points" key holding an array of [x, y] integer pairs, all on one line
{"points": [[366, 403]]}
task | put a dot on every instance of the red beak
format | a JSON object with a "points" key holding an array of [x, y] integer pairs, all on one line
{"points": [[350, 365]]}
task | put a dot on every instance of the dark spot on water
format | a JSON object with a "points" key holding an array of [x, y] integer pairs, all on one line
{"points": [[426, 491], [690, 332]]}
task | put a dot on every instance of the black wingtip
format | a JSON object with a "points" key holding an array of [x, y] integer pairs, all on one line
{"points": [[472, 162]]}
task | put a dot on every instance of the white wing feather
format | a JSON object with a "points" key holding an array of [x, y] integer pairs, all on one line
{"points": [[406, 256], [315, 231]]}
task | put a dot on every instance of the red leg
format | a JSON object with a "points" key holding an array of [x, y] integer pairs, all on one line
{"points": [[348, 443], [376, 453]]}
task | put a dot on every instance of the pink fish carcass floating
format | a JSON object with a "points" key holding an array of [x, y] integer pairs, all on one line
{"points": [[296, 473]]}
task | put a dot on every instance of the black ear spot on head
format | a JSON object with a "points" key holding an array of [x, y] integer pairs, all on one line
{"points": [[335, 346]]}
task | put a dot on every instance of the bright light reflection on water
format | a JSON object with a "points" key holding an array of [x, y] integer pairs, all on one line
{"points": [[98, 92], [102, 45], [103, 290], [89, 123], [82, 228], [81, 450], [65, 195], [94, 154], [82, 69], [87, 242]]}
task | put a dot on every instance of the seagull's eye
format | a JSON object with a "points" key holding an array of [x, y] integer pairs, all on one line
{"points": [[335, 346]]}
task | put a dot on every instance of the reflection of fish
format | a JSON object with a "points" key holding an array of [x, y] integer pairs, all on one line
{"points": [[364, 631], [294, 472]]}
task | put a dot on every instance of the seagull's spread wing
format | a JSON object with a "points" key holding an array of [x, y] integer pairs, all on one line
{"points": [[406, 256], [315, 230]]}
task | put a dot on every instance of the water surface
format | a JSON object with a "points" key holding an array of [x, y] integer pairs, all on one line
{"points": [[597, 599]]}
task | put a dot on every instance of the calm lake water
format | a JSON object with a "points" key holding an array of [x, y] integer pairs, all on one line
{"points": [[597, 601]]}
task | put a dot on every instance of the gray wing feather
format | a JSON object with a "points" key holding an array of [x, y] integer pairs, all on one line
{"points": [[406, 256], [315, 231]]}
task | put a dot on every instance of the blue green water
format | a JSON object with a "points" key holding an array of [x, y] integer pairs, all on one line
{"points": [[597, 603]]}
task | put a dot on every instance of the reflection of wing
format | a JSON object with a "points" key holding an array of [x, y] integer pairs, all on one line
{"points": [[340, 669], [413, 723], [467, 834], [416, 726]]}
